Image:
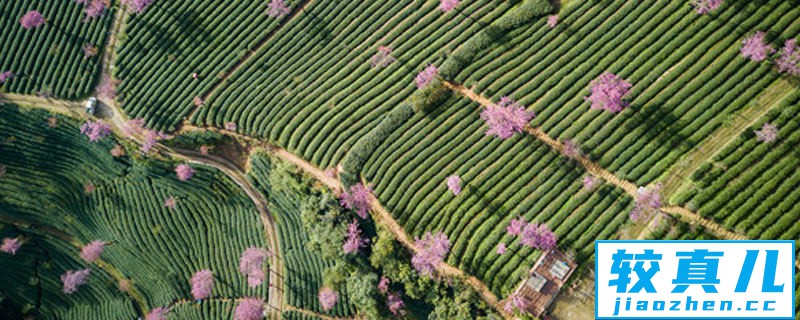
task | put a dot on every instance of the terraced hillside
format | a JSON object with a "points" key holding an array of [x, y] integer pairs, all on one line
{"points": [[50, 59], [156, 248]]}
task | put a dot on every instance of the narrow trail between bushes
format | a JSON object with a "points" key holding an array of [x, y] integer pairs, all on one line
{"points": [[598, 171], [112, 271], [250, 54]]}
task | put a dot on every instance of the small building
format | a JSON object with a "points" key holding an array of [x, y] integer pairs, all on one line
{"points": [[545, 280]]}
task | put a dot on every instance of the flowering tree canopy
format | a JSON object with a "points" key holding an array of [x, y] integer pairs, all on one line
{"points": [[108, 87], [607, 92], [327, 298], [197, 101], [514, 228], [133, 126], [95, 130], [151, 138], [170, 202], [756, 48], [425, 76], [251, 264], [117, 151], [590, 182], [11, 245], [353, 240], [705, 6], [571, 149], [124, 285], [32, 19], [538, 236], [383, 285], [357, 199], [277, 8], [249, 309], [231, 126], [156, 314], [382, 58], [92, 251], [506, 118], [136, 6], [93, 9], [432, 249], [768, 133], [501, 248], [648, 201], [202, 282], [184, 172], [515, 302], [448, 5], [74, 279], [6, 76], [789, 58], [88, 188], [395, 303], [552, 21], [454, 184]]}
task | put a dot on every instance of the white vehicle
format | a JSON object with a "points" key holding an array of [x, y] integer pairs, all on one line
{"points": [[90, 104]]}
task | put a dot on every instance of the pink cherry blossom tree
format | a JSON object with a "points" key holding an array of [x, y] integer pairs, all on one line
{"points": [[382, 58], [571, 149], [353, 239], [648, 202], [789, 58], [197, 101], [156, 314], [514, 227], [506, 118], [92, 251], [383, 285], [231, 126], [501, 248], [768, 133], [88, 188], [454, 184], [151, 138], [515, 302], [249, 309], [432, 249], [107, 88], [202, 283], [448, 5], [251, 264], [170, 202], [425, 76], [607, 92], [395, 303], [277, 8], [11, 245], [590, 182], [705, 6], [133, 126], [124, 285], [327, 298], [73, 279], [756, 48], [117, 151], [538, 236], [358, 199], [93, 9], [184, 172], [552, 21], [95, 130], [6, 76], [32, 19], [136, 6]]}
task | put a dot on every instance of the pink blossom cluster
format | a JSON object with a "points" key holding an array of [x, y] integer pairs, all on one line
{"points": [[454, 184], [515, 302], [249, 309], [552, 21], [156, 314], [590, 182], [151, 138], [11, 245], [327, 298], [202, 283], [277, 8], [93, 9], [136, 6], [107, 88], [532, 235], [607, 92], [515, 227], [170, 202], [383, 285], [353, 239], [32, 19], [705, 6], [448, 5], [789, 58], [395, 303], [231, 126], [425, 76], [648, 201], [431, 250], [117, 151], [92, 251], [184, 172], [6, 76], [95, 130], [506, 118], [768, 133], [251, 264], [73, 279], [501, 248], [571, 149], [382, 58], [88, 188], [198, 101], [358, 199], [133, 126], [756, 48]]}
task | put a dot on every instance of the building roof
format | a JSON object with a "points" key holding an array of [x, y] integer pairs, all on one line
{"points": [[545, 280]]}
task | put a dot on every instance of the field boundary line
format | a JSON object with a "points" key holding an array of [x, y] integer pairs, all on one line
{"points": [[250, 54]]}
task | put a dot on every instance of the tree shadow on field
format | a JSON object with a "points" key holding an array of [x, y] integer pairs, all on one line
{"points": [[491, 205], [659, 124], [190, 27], [320, 30]]}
